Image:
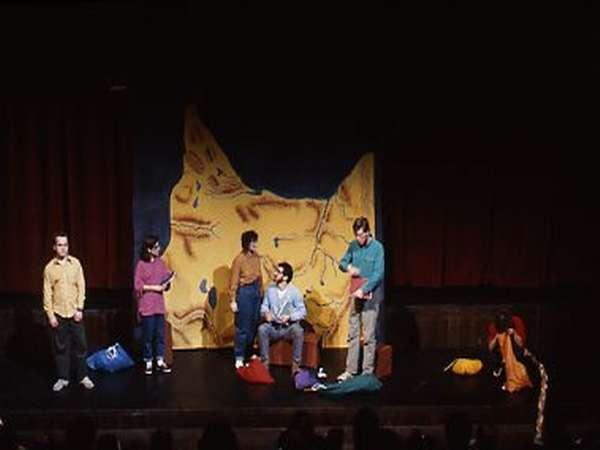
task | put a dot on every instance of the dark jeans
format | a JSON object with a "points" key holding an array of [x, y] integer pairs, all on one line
{"points": [[68, 340], [153, 336], [246, 319]]}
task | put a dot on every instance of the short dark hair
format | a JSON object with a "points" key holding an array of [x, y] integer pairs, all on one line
{"points": [[59, 234], [147, 245], [288, 271], [247, 237], [361, 222]]}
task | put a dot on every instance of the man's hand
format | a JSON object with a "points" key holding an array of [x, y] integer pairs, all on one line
{"points": [[78, 316], [233, 306], [53, 322], [359, 293], [354, 271], [285, 319], [269, 316]]}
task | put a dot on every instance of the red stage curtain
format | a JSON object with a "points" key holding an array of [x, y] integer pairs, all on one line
{"points": [[461, 211], [66, 165]]}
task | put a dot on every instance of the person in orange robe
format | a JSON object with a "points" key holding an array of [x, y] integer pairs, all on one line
{"points": [[504, 338]]}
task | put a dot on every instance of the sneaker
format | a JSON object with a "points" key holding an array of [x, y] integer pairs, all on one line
{"points": [[239, 363], [87, 383], [295, 368], [60, 384], [345, 375], [162, 367], [148, 369]]}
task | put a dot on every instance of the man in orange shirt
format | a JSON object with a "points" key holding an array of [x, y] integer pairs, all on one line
{"points": [[64, 297]]}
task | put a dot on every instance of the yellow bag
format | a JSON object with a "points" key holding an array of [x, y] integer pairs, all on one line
{"points": [[465, 366]]}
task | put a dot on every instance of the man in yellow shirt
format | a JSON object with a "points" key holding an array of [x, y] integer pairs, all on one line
{"points": [[64, 297]]}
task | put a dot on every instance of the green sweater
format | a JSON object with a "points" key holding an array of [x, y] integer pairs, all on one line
{"points": [[369, 260]]}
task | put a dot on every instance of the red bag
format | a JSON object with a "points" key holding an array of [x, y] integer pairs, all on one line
{"points": [[255, 373], [356, 283], [517, 323]]}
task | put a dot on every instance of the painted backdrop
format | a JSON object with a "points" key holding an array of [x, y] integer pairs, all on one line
{"points": [[212, 204]]}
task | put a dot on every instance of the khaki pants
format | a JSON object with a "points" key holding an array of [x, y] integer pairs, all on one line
{"points": [[365, 313]]}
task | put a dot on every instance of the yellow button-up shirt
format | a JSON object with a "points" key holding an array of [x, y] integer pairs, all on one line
{"points": [[64, 287]]}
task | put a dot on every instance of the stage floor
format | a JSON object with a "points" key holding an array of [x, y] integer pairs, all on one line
{"points": [[204, 383]]}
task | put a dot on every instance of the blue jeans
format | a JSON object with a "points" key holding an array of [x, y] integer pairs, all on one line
{"points": [[268, 332], [246, 319], [153, 335]]}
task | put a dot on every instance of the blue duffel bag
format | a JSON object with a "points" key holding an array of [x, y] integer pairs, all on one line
{"points": [[110, 359]]}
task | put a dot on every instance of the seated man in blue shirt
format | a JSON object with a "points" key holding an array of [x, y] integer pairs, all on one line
{"points": [[282, 308], [365, 261]]}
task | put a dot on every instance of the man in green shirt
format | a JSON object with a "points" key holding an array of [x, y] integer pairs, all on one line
{"points": [[365, 262]]}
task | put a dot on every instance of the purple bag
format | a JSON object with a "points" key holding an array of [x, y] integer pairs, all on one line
{"points": [[305, 378]]}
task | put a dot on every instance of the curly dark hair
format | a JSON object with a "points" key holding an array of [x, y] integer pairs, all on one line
{"points": [[288, 271]]}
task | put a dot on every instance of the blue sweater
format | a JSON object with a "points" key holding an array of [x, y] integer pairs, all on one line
{"points": [[291, 304], [370, 260]]}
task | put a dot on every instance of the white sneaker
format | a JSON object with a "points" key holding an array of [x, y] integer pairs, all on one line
{"points": [[87, 383], [344, 376], [162, 367], [239, 363], [148, 368], [60, 384]]}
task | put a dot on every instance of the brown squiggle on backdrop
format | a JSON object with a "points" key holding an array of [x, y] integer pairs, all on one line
{"points": [[242, 215], [180, 320], [252, 212], [195, 162], [311, 204], [229, 185], [275, 203], [183, 197]]}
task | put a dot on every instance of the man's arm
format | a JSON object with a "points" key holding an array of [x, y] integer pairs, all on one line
{"points": [[346, 259], [80, 289], [265, 309], [299, 309], [48, 305]]}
